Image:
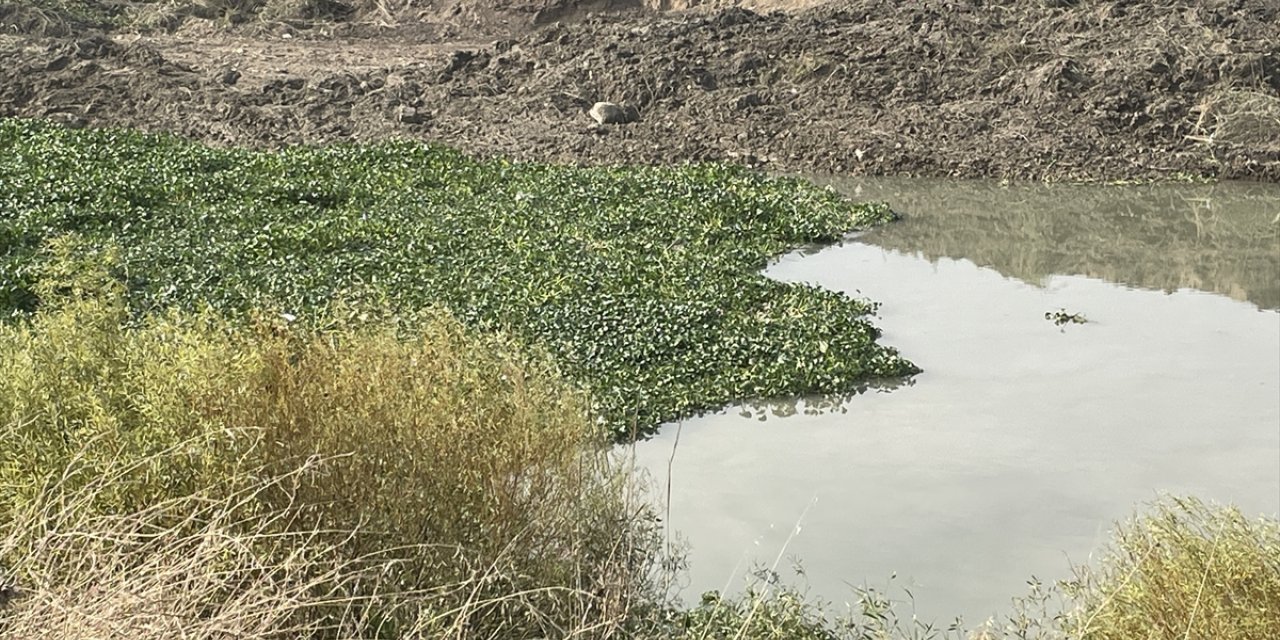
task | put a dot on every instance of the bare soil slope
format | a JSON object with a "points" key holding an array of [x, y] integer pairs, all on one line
{"points": [[1095, 89]]}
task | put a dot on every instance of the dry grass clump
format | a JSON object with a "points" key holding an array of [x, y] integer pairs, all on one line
{"points": [[1242, 116], [201, 566], [1184, 570], [467, 460], [190, 567]]}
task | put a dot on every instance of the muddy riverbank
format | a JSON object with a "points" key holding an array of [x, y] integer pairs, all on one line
{"points": [[1091, 90]]}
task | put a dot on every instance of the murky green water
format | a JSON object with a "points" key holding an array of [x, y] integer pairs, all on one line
{"points": [[1023, 441]]}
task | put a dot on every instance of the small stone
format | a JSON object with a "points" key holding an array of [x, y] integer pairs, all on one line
{"points": [[747, 101], [58, 64], [411, 115], [613, 113], [68, 119], [229, 77]]}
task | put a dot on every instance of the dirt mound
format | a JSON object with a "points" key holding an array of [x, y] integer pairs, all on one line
{"points": [[1100, 89], [58, 19], [433, 20]]}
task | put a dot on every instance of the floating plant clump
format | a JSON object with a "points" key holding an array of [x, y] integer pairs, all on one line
{"points": [[1061, 317], [643, 282]]}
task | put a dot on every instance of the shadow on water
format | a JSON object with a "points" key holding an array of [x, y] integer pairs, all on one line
{"points": [[1220, 238], [761, 409]]}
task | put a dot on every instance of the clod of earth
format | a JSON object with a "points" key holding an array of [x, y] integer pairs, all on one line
{"points": [[611, 113], [411, 115]]}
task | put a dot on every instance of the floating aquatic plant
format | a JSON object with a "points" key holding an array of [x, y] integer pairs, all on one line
{"points": [[643, 282], [1061, 317]]}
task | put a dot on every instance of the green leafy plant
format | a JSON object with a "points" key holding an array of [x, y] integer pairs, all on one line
{"points": [[1061, 317], [643, 283]]}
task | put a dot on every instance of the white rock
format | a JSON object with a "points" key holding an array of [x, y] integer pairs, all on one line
{"points": [[612, 113]]}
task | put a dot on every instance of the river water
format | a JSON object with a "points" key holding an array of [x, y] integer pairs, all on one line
{"points": [[1023, 441]]}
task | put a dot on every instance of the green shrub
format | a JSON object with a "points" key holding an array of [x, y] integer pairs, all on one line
{"points": [[1184, 570]]}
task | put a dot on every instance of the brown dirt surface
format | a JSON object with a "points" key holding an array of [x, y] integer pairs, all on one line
{"points": [[1054, 89]]}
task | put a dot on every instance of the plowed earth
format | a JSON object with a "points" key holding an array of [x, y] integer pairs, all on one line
{"points": [[1093, 90]]}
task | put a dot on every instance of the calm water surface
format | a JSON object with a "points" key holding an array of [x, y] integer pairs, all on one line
{"points": [[1022, 442]]}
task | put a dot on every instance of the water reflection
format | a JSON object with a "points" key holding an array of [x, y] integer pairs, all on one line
{"points": [[762, 409], [1022, 441], [1223, 238]]}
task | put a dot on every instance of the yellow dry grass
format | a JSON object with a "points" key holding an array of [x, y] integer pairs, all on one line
{"points": [[460, 466]]}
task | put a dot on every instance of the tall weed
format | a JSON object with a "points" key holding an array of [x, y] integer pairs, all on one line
{"points": [[467, 450]]}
